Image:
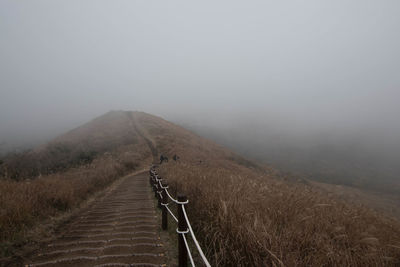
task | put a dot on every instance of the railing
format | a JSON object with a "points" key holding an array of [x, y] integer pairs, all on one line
{"points": [[160, 189]]}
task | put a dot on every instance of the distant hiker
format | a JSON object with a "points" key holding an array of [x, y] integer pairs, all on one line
{"points": [[175, 157], [163, 158]]}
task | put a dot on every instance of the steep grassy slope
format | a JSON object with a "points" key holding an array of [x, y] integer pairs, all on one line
{"points": [[171, 139], [80, 146], [56, 177], [247, 217]]}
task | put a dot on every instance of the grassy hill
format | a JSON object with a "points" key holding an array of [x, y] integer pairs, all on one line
{"points": [[245, 214], [248, 215], [58, 176], [111, 133]]}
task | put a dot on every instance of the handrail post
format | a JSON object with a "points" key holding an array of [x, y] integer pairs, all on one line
{"points": [[182, 227], [152, 182], [158, 188], [155, 187], [164, 207], [159, 192]]}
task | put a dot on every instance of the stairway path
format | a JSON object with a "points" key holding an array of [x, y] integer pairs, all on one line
{"points": [[119, 230]]}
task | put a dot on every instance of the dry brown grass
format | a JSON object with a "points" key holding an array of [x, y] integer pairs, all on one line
{"points": [[25, 203], [242, 214], [77, 147], [247, 217]]}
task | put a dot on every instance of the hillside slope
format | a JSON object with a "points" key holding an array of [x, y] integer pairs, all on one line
{"points": [[171, 139], [44, 183], [112, 132], [242, 212], [246, 216]]}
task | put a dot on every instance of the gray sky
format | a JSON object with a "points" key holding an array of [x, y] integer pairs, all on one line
{"points": [[306, 64]]}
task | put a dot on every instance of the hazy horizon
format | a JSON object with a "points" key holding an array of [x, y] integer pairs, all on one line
{"points": [[274, 73]]}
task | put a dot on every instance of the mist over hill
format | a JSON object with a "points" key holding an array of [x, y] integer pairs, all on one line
{"points": [[350, 154], [232, 200], [279, 111], [354, 156], [311, 88]]}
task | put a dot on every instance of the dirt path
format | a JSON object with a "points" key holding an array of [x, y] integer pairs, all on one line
{"points": [[148, 141], [119, 230]]}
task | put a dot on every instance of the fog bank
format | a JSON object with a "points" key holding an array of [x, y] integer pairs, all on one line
{"points": [[259, 76]]}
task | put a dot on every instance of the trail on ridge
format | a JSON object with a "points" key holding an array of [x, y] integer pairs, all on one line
{"points": [[141, 133], [119, 230]]}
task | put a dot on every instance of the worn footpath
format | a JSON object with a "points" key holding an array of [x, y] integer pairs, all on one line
{"points": [[118, 230]]}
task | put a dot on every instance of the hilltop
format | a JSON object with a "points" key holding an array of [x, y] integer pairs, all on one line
{"points": [[244, 212], [112, 133], [117, 133]]}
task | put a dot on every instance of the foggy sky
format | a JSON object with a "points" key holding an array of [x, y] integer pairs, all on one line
{"points": [[302, 65]]}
